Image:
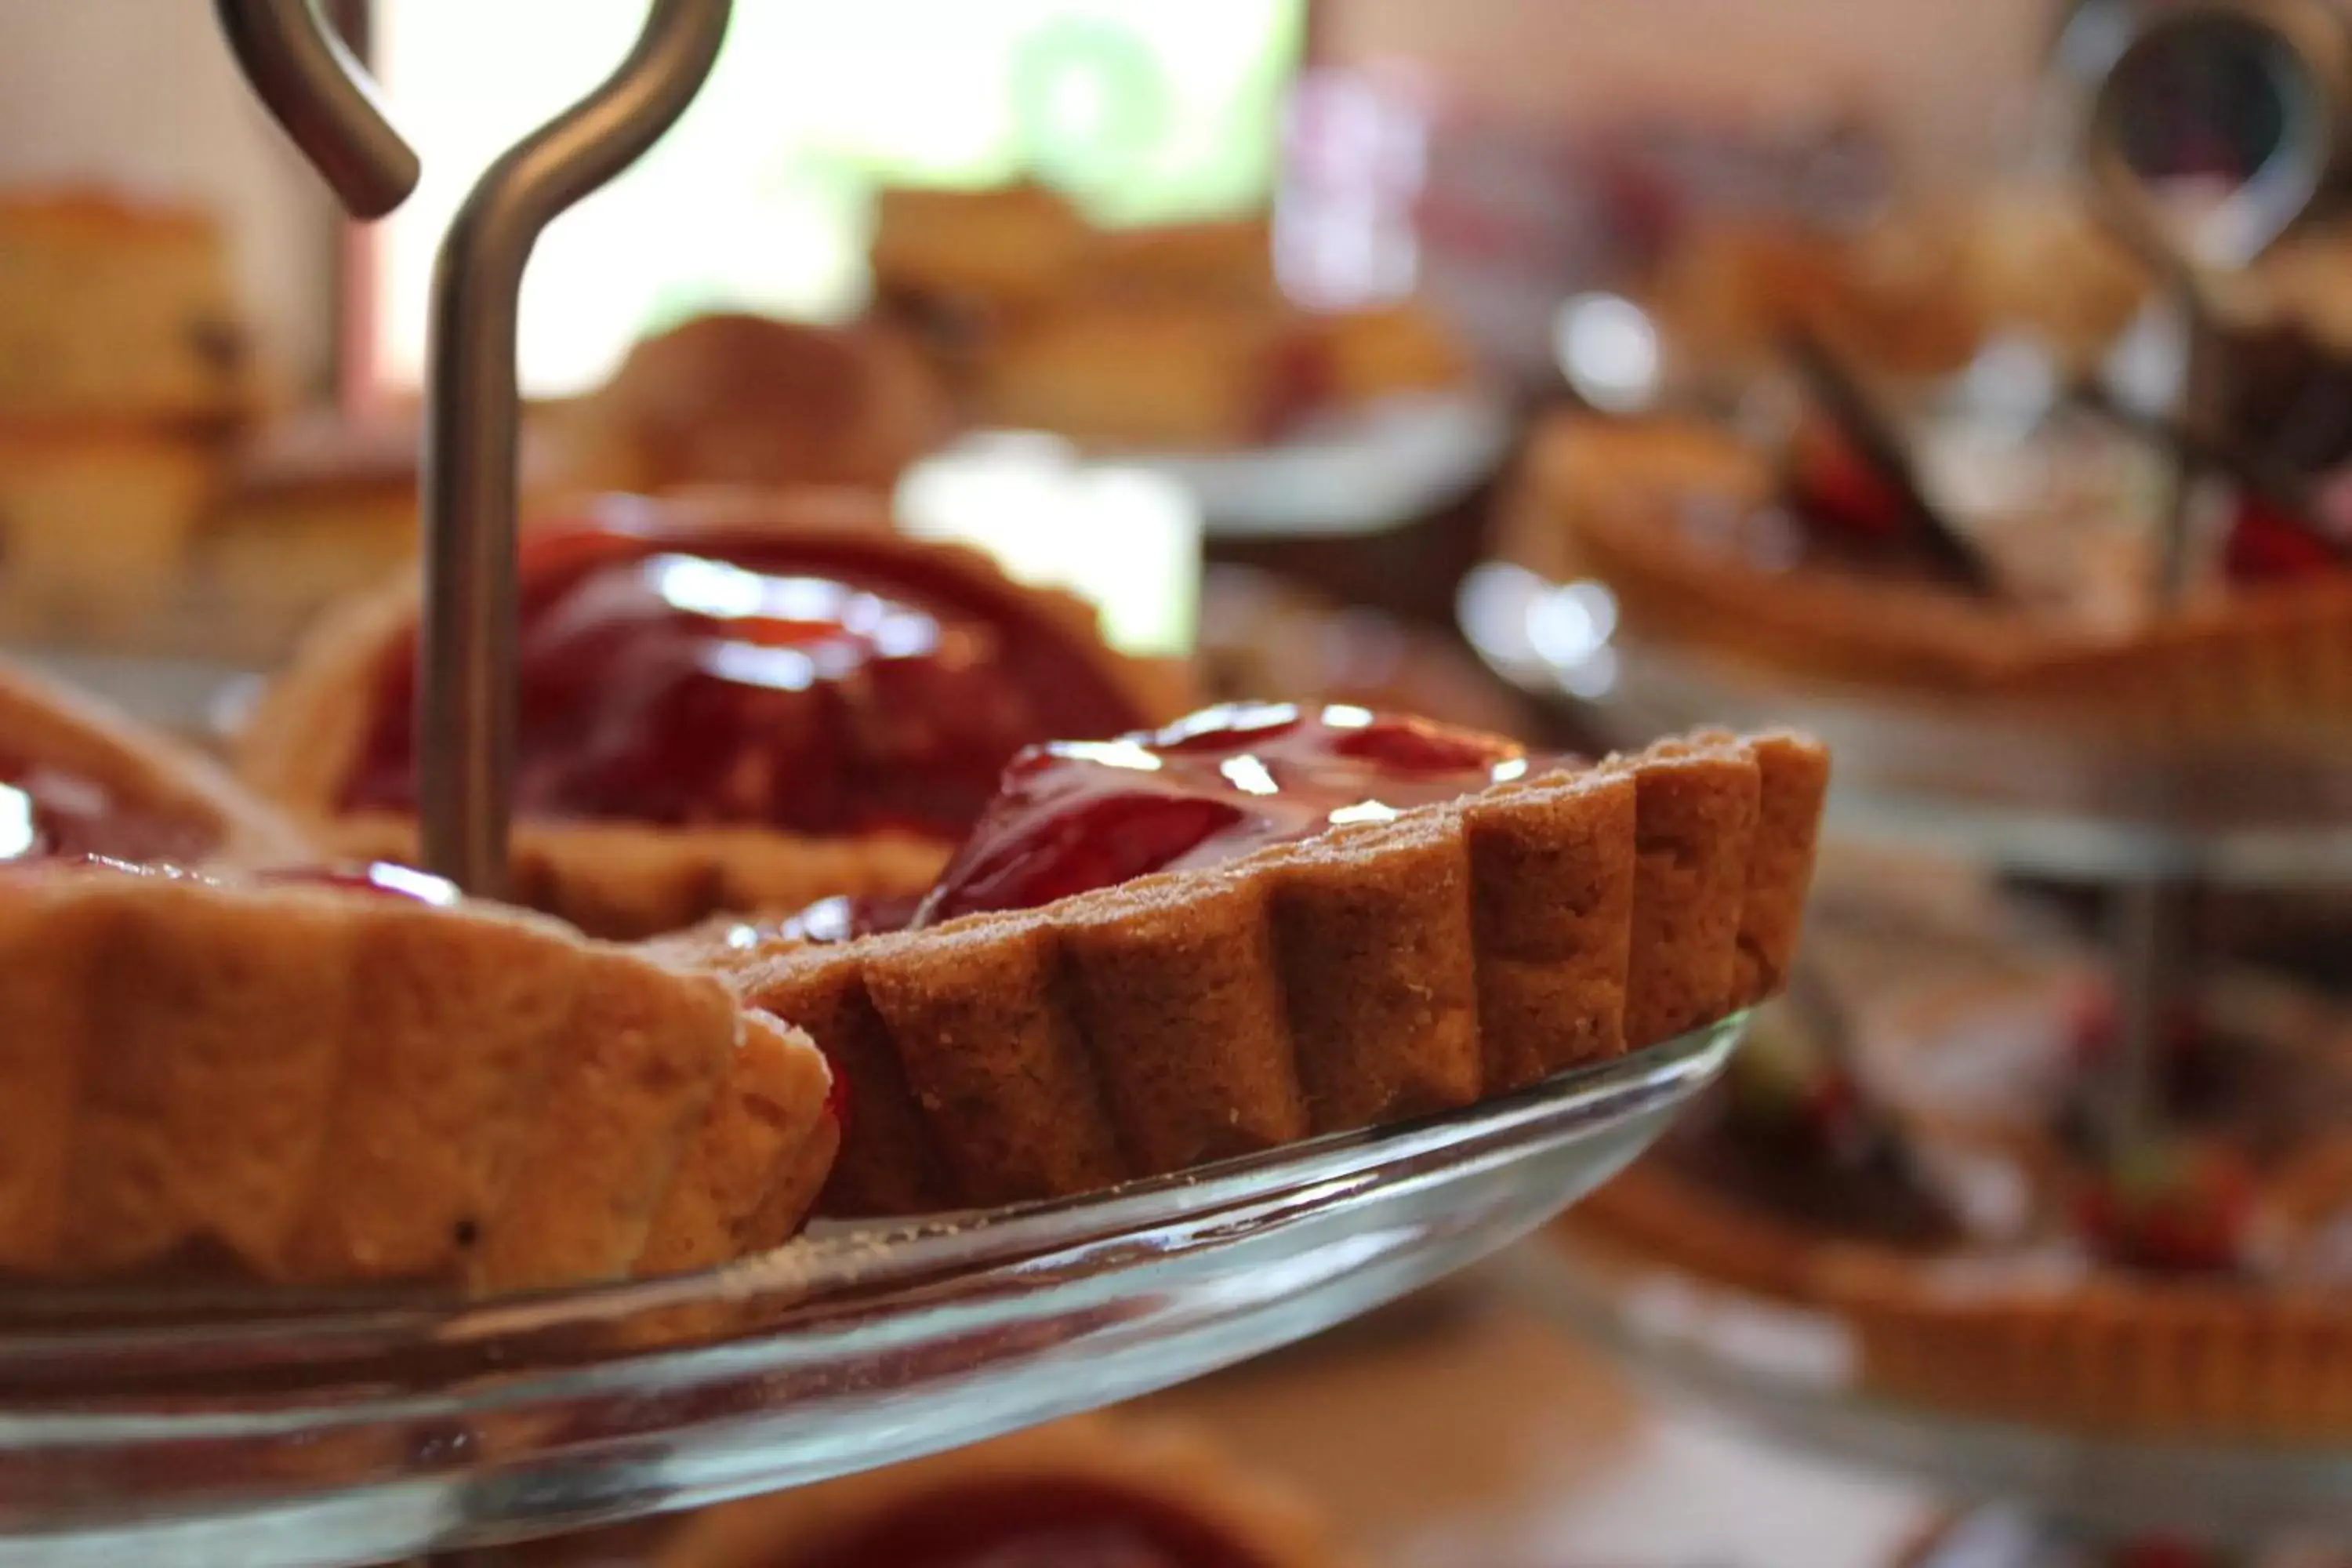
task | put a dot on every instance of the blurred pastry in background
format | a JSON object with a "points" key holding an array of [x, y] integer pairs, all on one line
{"points": [[744, 400], [314, 507], [118, 309], [979, 252], [2039, 262], [125, 368], [1229, 259], [1171, 338], [1113, 374], [1729, 293], [1203, 375], [1098, 1489], [96, 516], [1263, 636], [1916, 295], [1365, 355]]}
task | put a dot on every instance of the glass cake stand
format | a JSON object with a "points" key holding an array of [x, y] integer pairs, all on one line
{"points": [[1788, 1376], [2058, 800], [338, 1431]]}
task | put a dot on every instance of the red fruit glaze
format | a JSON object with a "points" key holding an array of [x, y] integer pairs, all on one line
{"points": [[2185, 1214], [1036, 1523], [1298, 384], [821, 685], [1831, 484], [2265, 546], [1075, 816], [47, 812], [382, 876]]}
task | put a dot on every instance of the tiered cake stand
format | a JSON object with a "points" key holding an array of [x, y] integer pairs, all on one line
{"points": [[2143, 821], [262, 1430]]}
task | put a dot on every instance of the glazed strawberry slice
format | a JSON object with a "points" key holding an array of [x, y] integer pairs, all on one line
{"points": [[1073, 817], [2171, 1210], [2267, 544], [1831, 485]]}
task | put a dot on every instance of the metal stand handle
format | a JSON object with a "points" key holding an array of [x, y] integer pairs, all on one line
{"points": [[2151, 916], [465, 635], [303, 72]]}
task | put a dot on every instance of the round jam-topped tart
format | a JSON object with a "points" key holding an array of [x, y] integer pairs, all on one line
{"points": [[822, 684], [1072, 816], [50, 812], [1046, 1523]]}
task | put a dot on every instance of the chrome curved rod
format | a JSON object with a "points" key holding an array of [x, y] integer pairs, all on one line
{"points": [[327, 103], [2313, 50], [466, 642], [465, 645]]}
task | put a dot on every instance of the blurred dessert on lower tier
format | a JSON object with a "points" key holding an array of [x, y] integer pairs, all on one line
{"points": [[1997, 1537], [1104, 1489], [118, 309], [1262, 635], [1918, 1162], [738, 399]]}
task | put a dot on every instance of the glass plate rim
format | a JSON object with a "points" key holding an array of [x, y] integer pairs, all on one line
{"points": [[854, 1265]]}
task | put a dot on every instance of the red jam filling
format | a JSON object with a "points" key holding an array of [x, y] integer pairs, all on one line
{"points": [[380, 877], [47, 812], [820, 686], [1045, 1522], [1075, 816]]}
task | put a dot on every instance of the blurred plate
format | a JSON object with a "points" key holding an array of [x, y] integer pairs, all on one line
{"points": [[1364, 472]]}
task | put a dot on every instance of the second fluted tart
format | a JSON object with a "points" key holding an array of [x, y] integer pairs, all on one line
{"points": [[1263, 924], [727, 703]]}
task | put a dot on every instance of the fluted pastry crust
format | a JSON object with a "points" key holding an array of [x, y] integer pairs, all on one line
{"points": [[1374, 972], [300, 1084]]}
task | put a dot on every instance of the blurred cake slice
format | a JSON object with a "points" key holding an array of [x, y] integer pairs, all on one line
{"points": [[118, 309], [95, 520], [313, 508], [735, 399], [1114, 375]]}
